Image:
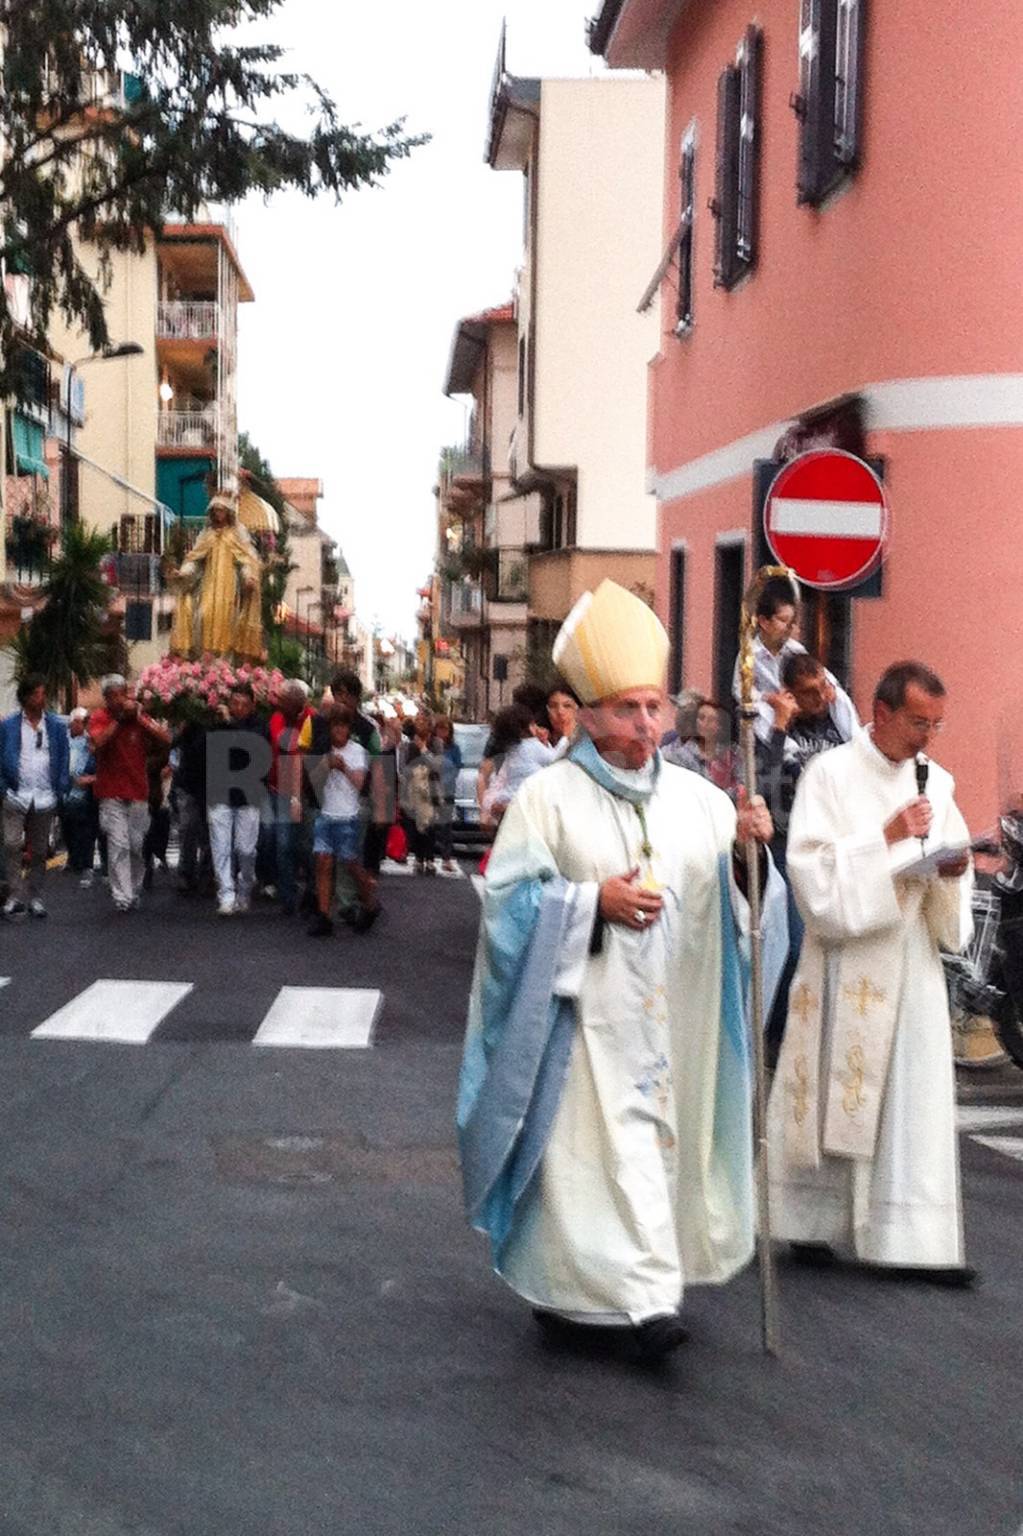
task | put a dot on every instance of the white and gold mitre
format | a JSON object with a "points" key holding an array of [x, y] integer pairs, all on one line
{"points": [[610, 642]]}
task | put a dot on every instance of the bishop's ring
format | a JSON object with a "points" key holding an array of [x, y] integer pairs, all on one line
{"points": [[639, 916]]}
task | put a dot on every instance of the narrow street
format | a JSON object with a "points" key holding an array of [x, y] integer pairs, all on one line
{"points": [[239, 1295]]}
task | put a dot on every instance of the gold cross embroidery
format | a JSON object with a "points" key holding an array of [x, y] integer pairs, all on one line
{"points": [[854, 1098], [863, 996], [801, 1091], [802, 1003]]}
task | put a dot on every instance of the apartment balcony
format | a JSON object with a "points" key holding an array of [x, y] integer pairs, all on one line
{"points": [[182, 320], [189, 431], [464, 603]]}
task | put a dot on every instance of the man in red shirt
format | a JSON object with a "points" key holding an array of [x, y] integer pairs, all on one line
{"points": [[120, 735]]}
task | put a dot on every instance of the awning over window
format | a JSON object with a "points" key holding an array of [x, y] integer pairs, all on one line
{"points": [[29, 446]]}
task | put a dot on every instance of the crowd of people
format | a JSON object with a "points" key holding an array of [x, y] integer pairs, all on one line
{"points": [[299, 807], [303, 806]]}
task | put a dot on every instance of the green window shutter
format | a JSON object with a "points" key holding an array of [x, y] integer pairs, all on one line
{"points": [[29, 438]]}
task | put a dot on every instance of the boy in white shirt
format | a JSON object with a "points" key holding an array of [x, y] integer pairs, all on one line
{"points": [[337, 833]]}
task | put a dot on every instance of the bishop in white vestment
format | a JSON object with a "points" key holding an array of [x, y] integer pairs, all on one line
{"points": [[604, 1110], [862, 1134]]}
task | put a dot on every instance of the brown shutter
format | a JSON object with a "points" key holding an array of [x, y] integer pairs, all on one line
{"points": [[687, 175], [849, 45], [807, 102], [724, 207], [747, 223]]}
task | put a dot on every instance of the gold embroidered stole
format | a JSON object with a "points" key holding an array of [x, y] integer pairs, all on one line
{"points": [[863, 1011]]}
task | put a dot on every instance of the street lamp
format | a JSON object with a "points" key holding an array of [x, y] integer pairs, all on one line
{"points": [[124, 349]]}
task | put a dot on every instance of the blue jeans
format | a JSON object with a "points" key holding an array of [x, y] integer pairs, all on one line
{"points": [[291, 843]]}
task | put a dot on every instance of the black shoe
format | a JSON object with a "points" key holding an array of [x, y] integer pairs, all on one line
{"points": [[658, 1336], [954, 1276], [813, 1255], [321, 927], [579, 1338], [363, 918], [287, 909]]}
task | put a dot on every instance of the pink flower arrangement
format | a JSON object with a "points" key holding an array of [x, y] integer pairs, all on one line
{"points": [[194, 690]]}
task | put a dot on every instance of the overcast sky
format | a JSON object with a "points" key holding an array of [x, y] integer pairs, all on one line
{"points": [[343, 354]]}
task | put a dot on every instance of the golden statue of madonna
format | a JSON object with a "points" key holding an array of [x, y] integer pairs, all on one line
{"points": [[218, 590]]}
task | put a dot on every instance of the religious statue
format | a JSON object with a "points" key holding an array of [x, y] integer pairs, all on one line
{"points": [[218, 608]]}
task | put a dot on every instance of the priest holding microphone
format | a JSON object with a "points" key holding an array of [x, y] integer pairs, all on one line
{"points": [[862, 1133]]}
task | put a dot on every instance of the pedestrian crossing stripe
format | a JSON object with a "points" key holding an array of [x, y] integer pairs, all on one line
{"points": [[320, 1018], [130, 1012], [1009, 1146], [983, 1117], [126, 1012]]}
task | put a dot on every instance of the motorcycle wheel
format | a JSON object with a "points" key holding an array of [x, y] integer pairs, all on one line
{"points": [[976, 1041], [1010, 1031]]}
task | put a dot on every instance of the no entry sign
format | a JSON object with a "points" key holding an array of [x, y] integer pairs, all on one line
{"points": [[826, 518]]}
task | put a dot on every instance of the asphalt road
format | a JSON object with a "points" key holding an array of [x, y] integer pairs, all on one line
{"points": [[239, 1297]]}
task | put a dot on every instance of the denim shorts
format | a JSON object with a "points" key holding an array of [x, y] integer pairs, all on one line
{"points": [[338, 836]]}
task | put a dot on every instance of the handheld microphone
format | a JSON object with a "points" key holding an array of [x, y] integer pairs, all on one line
{"points": [[923, 768]]}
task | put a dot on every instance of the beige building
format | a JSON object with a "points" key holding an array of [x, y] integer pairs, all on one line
{"points": [[485, 528], [156, 432], [591, 156]]}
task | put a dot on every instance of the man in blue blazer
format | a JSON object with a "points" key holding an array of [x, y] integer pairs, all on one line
{"points": [[34, 778]]}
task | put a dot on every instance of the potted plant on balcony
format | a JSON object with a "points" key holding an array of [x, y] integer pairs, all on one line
{"points": [[30, 539]]}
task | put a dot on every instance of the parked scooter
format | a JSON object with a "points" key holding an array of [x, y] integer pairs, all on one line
{"points": [[985, 985]]}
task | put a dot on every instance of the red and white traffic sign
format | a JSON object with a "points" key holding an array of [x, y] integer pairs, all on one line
{"points": [[826, 517]]}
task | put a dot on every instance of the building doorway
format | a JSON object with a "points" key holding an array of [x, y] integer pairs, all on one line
{"points": [[729, 575], [677, 619]]}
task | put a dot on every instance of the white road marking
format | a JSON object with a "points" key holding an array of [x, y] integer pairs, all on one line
{"points": [[982, 1117], [127, 1011], [5, 981], [389, 867], [826, 519], [321, 1018], [1011, 1146]]}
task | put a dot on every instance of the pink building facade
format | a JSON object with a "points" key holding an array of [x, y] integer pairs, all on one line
{"points": [[843, 206]]}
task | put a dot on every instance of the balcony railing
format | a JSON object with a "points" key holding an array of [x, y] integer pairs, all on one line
{"points": [[179, 320], [140, 533], [465, 463], [465, 602], [188, 429]]}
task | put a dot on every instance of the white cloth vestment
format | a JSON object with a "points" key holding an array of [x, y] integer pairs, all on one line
{"points": [[862, 1136], [636, 1191]]}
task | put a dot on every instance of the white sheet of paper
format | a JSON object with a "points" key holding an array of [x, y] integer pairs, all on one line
{"points": [[925, 865]]}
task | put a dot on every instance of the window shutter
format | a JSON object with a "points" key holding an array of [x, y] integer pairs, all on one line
{"points": [[726, 179], [687, 175], [848, 68], [749, 146], [807, 102]]}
